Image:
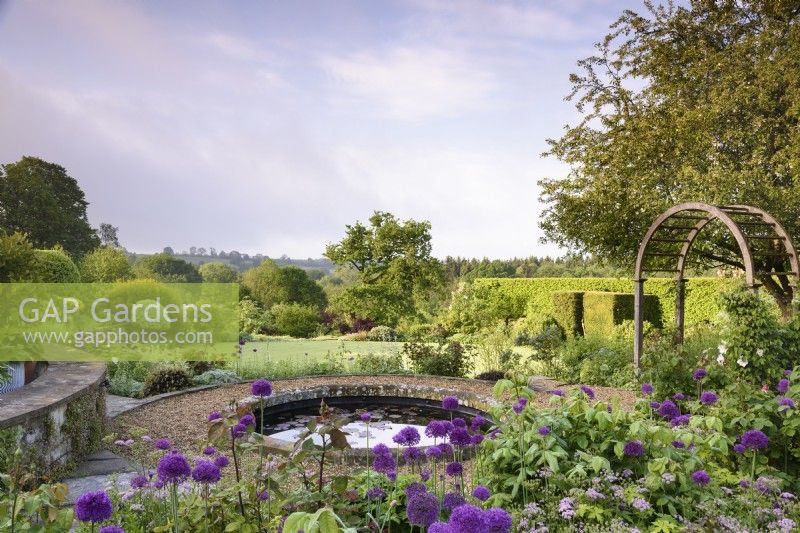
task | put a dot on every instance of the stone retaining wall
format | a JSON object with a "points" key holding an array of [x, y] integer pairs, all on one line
{"points": [[55, 421]]}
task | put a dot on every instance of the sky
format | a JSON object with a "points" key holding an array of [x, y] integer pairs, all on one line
{"points": [[266, 127]]}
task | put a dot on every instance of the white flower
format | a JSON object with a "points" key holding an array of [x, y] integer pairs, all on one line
{"points": [[760, 352], [721, 359], [742, 362], [723, 349]]}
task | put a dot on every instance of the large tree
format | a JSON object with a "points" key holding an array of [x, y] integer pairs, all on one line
{"points": [[41, 200], [271, 285], [694, 103], [395, 269]]}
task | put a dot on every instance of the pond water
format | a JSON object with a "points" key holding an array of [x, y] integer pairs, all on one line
{"points": [[386, 421]]}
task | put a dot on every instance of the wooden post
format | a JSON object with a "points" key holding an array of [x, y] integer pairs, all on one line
{"points": [[680, 308], [638, 322]]}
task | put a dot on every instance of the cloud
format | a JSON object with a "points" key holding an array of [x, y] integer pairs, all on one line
{"points": [[235, 47], [411, 83]]}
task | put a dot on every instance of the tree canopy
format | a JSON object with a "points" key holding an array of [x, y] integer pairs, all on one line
{"points": [[105, 265], [270, 284], [166, 269], [41, 200], [218, 272], [394, 264], [694, 103]]}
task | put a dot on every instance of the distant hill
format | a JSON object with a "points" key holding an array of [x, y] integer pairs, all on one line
{"points": [[243, 262]]}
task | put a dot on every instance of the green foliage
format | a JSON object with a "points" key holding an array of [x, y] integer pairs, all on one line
{"points": [[166, 269], [396, 273], [568, 311], [216, 376], [40, 199], [16, 256], [294, 319], [269, 285], [218, 272], [569, 266], [604, 311], [53, 266], [683, 131], [198, 367], [382, 334], [252, 319], [368, 363], [105, 265], [545, 349], [439, 359], [167, 378]]}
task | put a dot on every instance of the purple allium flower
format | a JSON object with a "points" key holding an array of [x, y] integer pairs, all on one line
{"points": [[139, 482], [248, 420], [438, 428], [425, 475], [415, 488], [173, 468], [634, 448], [366, 416], [701, 477], [452, 500], [678, 444], [478, 422], [655, 405], [209, 450], [261, 387], [481, 493], [214, 415], [440, 527], [786, 402], [376, 493], [412, 454], [783, 386], [668, 409], [518, 408], [681, 420], [679, 396], [459, 422], [467, 519], [93, 507], [221, 461], [383, 461], [755, 440], [238, 430], [699, 374], [163, 444], [647, 388], [450, 403], [476, 439], [433, 452], [263, 495], [422, 509], [206, 472], [454, 469], [111, 529], [460, 437], [497, 520], [708, 397], [588, 391], [544, 430], [446, 449], [744, 483], [557, 392], [158, 484], [408, 436], [739, 448]]}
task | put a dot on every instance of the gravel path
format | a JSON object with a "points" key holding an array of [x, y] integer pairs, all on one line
{"points": [[182, 419]]}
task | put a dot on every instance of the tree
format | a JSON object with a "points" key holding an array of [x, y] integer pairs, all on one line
{"points": [[168, 250], [16, 256], [218, 272], [167, 269], [695, 103], [294, 319], [270, 285], [53, 266], [41, 200], [105, 265], [108, 235], [394, 265]]}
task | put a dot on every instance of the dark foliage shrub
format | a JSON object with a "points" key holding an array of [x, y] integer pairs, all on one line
{"points": [[491, 375], [166, 379]]}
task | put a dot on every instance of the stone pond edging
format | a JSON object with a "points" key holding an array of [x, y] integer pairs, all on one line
{"points": [[56, 420]]}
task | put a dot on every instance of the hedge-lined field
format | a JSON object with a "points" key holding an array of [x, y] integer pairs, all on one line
{"points": [[513, 298]]}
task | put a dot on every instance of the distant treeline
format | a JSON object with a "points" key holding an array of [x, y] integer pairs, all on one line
{"points": [[570, 266], [242, 261]]}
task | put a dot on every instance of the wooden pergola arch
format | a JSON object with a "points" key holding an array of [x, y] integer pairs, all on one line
{"points": [[672, 235]]}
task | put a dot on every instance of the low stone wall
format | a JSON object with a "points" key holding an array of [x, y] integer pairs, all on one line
{"points": [[56, 420]]}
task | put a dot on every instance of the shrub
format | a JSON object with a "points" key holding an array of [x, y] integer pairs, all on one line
{"points": [[16, 256], [545, 347], [166, 379], [294, 319], [269, 285], [441, 359], [382, 334], [568, 312], [603, 311], [379, 363], [105, 265], [198, 367], [124, 385], [252, 319], [167, 269], [218, 272], [53, 266], [491, 375], [414, 332], [216, 376]]}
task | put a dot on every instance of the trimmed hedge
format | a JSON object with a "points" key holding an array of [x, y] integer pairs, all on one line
{"points": [[514, 298], [53, 266], [568, 311], [603, 311]]}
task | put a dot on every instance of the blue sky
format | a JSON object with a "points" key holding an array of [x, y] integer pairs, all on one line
{"points": [[268, 126]]}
